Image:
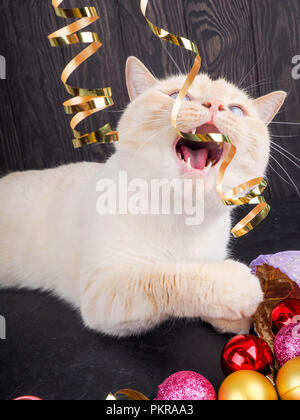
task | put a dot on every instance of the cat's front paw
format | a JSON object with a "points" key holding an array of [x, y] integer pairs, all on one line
{"points": [[240, 292]]}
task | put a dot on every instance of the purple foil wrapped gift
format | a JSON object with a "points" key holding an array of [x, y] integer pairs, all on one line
{"points": [[288, 263]]}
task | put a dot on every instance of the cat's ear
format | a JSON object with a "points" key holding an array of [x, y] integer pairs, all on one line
{"points": [[138, 78], [269, 105]]}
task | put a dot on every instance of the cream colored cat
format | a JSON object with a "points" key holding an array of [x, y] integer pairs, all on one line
{"points": [[129, 273]]}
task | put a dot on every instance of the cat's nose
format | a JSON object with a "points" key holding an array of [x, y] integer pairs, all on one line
{"points": [[214, 106]]}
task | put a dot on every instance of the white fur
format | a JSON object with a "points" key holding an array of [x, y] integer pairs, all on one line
{"points": [[128, 273]]}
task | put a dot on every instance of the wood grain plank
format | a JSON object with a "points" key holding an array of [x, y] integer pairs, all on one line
{"points": [[36, 90], [11, 158], [249, 41], [139, 41], [223, 32], [276, 32]]}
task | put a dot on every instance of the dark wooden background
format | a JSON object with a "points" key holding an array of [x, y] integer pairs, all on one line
{"points": [[248, 41]]}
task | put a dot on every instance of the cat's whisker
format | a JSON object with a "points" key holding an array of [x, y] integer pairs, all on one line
{"points": [[285, 123], [170, 55], [257, 84], [280, 176], [142, 125], [286, 151], [285, 137], [153, 73], [144, 144], [251, 70], [263, 83], [184, 66], [281, 111], [284, 155], [288, 175]]}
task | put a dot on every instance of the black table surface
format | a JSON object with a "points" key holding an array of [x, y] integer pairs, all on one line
{"points": [[50, 354]]}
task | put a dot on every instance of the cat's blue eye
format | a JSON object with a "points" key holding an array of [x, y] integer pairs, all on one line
{"points": [[175, 96], [237, 110]]}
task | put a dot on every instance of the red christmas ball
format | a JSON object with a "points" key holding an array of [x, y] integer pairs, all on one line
{"points": [[284, 313], [246, 352]]}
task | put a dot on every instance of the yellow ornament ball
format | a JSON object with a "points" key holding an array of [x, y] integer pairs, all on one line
{"points": [[246, 385], [288, 381]]}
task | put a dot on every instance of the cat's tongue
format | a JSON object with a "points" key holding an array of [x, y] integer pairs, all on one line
{"points": [[198, 157]]}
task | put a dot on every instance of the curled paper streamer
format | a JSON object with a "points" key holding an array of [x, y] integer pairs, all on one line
{"points": [[130, 394], [232, 197], [86, 101]]}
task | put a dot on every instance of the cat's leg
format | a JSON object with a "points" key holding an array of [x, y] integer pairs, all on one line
{"points": [[130, 300], [241, 326]]}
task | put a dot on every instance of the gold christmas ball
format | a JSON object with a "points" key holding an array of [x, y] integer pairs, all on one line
{"points": [[246, 385], [288, 381]]}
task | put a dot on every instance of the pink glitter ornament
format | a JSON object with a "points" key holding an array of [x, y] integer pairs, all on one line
{"points": [[186, 386], [287, 343]]}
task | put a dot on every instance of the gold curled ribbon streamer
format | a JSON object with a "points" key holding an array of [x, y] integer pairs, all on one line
{"points": [[254, 188], [86, 102], [130, 394]]}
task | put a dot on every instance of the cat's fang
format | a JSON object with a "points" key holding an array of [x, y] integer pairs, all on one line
{"points": [[189, 165]]}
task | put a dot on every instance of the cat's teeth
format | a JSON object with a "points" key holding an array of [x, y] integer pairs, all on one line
{"points": [[179, 156], [188, 164], [209, 165]]}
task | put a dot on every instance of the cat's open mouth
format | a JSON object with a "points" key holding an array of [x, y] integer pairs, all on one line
{"points": [[199, 155]]}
